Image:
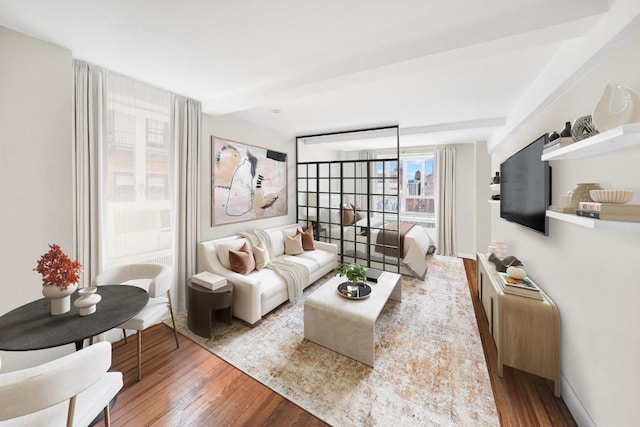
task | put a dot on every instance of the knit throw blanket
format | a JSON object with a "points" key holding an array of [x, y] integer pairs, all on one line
{"points": [[294, 275]]}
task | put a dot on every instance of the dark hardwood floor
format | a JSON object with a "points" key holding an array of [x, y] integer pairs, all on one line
{"points": [[191, 387]]}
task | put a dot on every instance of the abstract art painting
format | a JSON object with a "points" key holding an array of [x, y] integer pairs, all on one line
{"points": [[248, 182]]}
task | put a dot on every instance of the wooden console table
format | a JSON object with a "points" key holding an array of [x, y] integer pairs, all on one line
{"points": [[526, 331]]}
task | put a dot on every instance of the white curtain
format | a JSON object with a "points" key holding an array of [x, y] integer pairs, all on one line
{"points": [[88, 116], [445, 200], [137, 159], [187, 129]]}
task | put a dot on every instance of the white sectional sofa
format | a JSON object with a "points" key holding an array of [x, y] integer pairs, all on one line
{"points": [[260, 291]]}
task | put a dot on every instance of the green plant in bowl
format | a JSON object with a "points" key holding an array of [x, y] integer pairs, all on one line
{"points": [[354, 272]]}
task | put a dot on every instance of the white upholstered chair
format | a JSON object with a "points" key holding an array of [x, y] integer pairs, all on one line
{"points": [[156, 280], [71, 390]]}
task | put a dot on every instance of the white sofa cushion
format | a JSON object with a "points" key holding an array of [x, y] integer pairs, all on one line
{"points": [[271, 283], [321, 258], [311, 264], [223, 249]]}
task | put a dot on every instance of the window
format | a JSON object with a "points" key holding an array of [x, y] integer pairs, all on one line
{"points": [[122, 128], [157, 134], [138, 176], [124, 188], [157, 187], [417, 187]]}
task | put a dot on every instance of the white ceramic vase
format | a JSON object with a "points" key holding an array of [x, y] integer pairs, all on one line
{"points": [[60, 299], [617, 106], [87, 301]]}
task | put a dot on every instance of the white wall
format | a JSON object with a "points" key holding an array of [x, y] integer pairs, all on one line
{"points": [[35, 163], [590, 274], [236, 129]]}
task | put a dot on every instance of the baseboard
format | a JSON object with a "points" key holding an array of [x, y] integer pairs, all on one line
{"points": [[575, 406]]}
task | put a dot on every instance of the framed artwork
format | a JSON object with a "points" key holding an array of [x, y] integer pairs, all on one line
{"points": [[248, 182]]}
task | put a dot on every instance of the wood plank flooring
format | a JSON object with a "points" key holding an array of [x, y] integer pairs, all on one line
{"points": [[191, 387]]}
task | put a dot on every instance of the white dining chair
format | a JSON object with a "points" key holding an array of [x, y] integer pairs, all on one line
{"points": [[156, 280], [71, 390]]}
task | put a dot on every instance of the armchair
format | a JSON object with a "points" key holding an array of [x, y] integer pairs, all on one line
{"points": [[70, 390], [156, 280]]}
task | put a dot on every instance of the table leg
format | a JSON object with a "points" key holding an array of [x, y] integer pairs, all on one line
{"points": [[224, 315]]}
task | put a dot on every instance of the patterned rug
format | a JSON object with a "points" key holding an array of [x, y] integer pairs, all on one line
{"points": [[429, 368]]}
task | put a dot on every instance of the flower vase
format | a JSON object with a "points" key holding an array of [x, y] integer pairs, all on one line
{"points": [[60, 299], [87, 301]]}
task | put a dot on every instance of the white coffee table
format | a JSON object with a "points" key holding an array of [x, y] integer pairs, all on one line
{"points": [[348, 326]]}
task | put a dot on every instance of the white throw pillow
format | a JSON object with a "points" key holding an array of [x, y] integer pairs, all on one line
{"points": [[277, 242], [335, 215], [223, 249], [262, 256]]}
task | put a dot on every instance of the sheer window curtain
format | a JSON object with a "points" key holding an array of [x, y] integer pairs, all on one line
{"points": [[445, 200], [137, 154], [88, 116], [188, 129]]}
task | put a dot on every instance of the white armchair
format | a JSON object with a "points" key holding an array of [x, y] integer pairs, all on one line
{"points": [[71, 390], [156, 280]]}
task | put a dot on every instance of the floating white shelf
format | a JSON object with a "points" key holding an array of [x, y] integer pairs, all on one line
{"points": [[493, 201], [613, 139], [594, 223], [494, 187]]}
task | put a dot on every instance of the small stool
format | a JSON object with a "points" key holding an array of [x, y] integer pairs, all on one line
{"points": [[202, 302]]}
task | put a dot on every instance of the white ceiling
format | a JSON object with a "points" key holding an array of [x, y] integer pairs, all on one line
{"points": [[453, 69]]}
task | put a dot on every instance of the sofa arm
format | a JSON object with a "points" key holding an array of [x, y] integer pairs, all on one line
{"points": [[246, 297], [246, 290], [325, 246]]}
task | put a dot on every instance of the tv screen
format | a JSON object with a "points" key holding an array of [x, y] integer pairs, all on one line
{"points": [[525, 187]]}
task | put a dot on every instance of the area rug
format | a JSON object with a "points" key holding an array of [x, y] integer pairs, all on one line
{"points": [[429, 370]]}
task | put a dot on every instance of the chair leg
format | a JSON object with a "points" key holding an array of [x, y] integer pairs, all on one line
{"points": [[173, 320], [107, 416], [71, 411], [139, 355], [124, 334]]}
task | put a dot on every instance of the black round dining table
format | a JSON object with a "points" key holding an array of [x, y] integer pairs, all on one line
{"points": [[32, 327]]}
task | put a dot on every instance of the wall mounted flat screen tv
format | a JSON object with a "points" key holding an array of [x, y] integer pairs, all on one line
{"points": [[525, 187]]}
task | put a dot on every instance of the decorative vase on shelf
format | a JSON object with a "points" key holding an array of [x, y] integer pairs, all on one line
{"points": [[580, 193], [87, 301], [618, 106], [496, 179], [59, 299], [582, 128]]}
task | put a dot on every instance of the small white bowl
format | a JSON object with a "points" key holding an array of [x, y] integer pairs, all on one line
{"points": [[611, 196]]}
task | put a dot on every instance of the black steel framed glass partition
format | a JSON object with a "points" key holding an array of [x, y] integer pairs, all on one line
{"points": [[348, 199]]}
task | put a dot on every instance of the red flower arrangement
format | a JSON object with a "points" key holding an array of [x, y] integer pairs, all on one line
{"points": [[57, 269]]}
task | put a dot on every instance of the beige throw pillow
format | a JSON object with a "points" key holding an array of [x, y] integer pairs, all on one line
{"points": [[293, 245], [261, 256]]}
